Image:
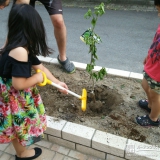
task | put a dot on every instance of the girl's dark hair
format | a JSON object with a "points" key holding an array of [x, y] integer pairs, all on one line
{"points": [[2, 2], [26, 29], [157, 2]]}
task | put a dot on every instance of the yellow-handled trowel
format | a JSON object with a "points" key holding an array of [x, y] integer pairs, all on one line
{"points": [[83, 98]]}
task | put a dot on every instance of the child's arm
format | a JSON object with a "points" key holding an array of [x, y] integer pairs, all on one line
{"points": [[20, 83], [22, 1], [50, 76]]}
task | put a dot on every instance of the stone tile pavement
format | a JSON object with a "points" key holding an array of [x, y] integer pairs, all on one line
{"points": [[51, 151]]}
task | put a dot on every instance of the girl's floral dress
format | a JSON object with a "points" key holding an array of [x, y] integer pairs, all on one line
{"points": [[22, 114]]}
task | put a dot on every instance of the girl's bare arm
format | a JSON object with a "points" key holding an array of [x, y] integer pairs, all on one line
{"points": [[21, 83]]}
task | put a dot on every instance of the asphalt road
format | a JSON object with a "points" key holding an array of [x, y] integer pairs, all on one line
{"points": [[126, 36]]}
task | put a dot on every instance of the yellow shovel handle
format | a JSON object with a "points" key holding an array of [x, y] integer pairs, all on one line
{"points": [[45, 80]]}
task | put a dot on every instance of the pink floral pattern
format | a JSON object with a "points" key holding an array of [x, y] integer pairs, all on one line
{"points": [[22, 114]]}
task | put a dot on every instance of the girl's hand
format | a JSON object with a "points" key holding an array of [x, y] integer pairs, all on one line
{"points": [[64, 86]]}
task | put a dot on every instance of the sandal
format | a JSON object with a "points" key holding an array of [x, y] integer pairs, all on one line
{"points": [[38, 152], [146, 121], [67, 65], [144, 104]]}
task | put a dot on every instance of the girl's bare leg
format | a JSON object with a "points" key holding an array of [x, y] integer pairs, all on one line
{"points": [[21, 151], [155, 99]]}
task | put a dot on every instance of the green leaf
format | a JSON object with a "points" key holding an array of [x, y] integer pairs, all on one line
{"points": [[99, 10], [95, 76], [88, 14], [92, 40]]}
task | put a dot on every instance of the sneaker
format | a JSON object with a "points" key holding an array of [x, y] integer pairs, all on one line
{"points": [[67, 65], [146, 121]]}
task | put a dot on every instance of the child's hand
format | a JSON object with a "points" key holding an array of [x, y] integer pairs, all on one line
{"points": [[64, 86]]}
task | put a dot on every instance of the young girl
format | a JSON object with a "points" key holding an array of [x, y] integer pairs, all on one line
{"points": [[151, 81], [4, 3], [22, 113]]}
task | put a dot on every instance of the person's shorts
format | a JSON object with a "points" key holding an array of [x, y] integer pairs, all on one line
{"points": [[152, 83], [52, 6]]}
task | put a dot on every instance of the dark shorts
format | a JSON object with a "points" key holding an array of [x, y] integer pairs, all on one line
{"points": [[52, 6], [152, 83]]}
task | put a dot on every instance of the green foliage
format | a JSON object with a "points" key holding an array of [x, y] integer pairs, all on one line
{"points": [[91, 39]]}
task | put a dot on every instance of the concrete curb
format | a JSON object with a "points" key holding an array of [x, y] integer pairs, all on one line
{"points": [[95, 142], [136, 5], [109, 6]]}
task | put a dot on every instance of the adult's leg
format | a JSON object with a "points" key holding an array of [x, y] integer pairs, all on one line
{"points": [[54, 8], [60, 34], [147, 90], [21, 151]]}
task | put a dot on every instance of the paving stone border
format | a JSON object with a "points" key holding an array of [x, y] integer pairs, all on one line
{"points": [[95, 142]]}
